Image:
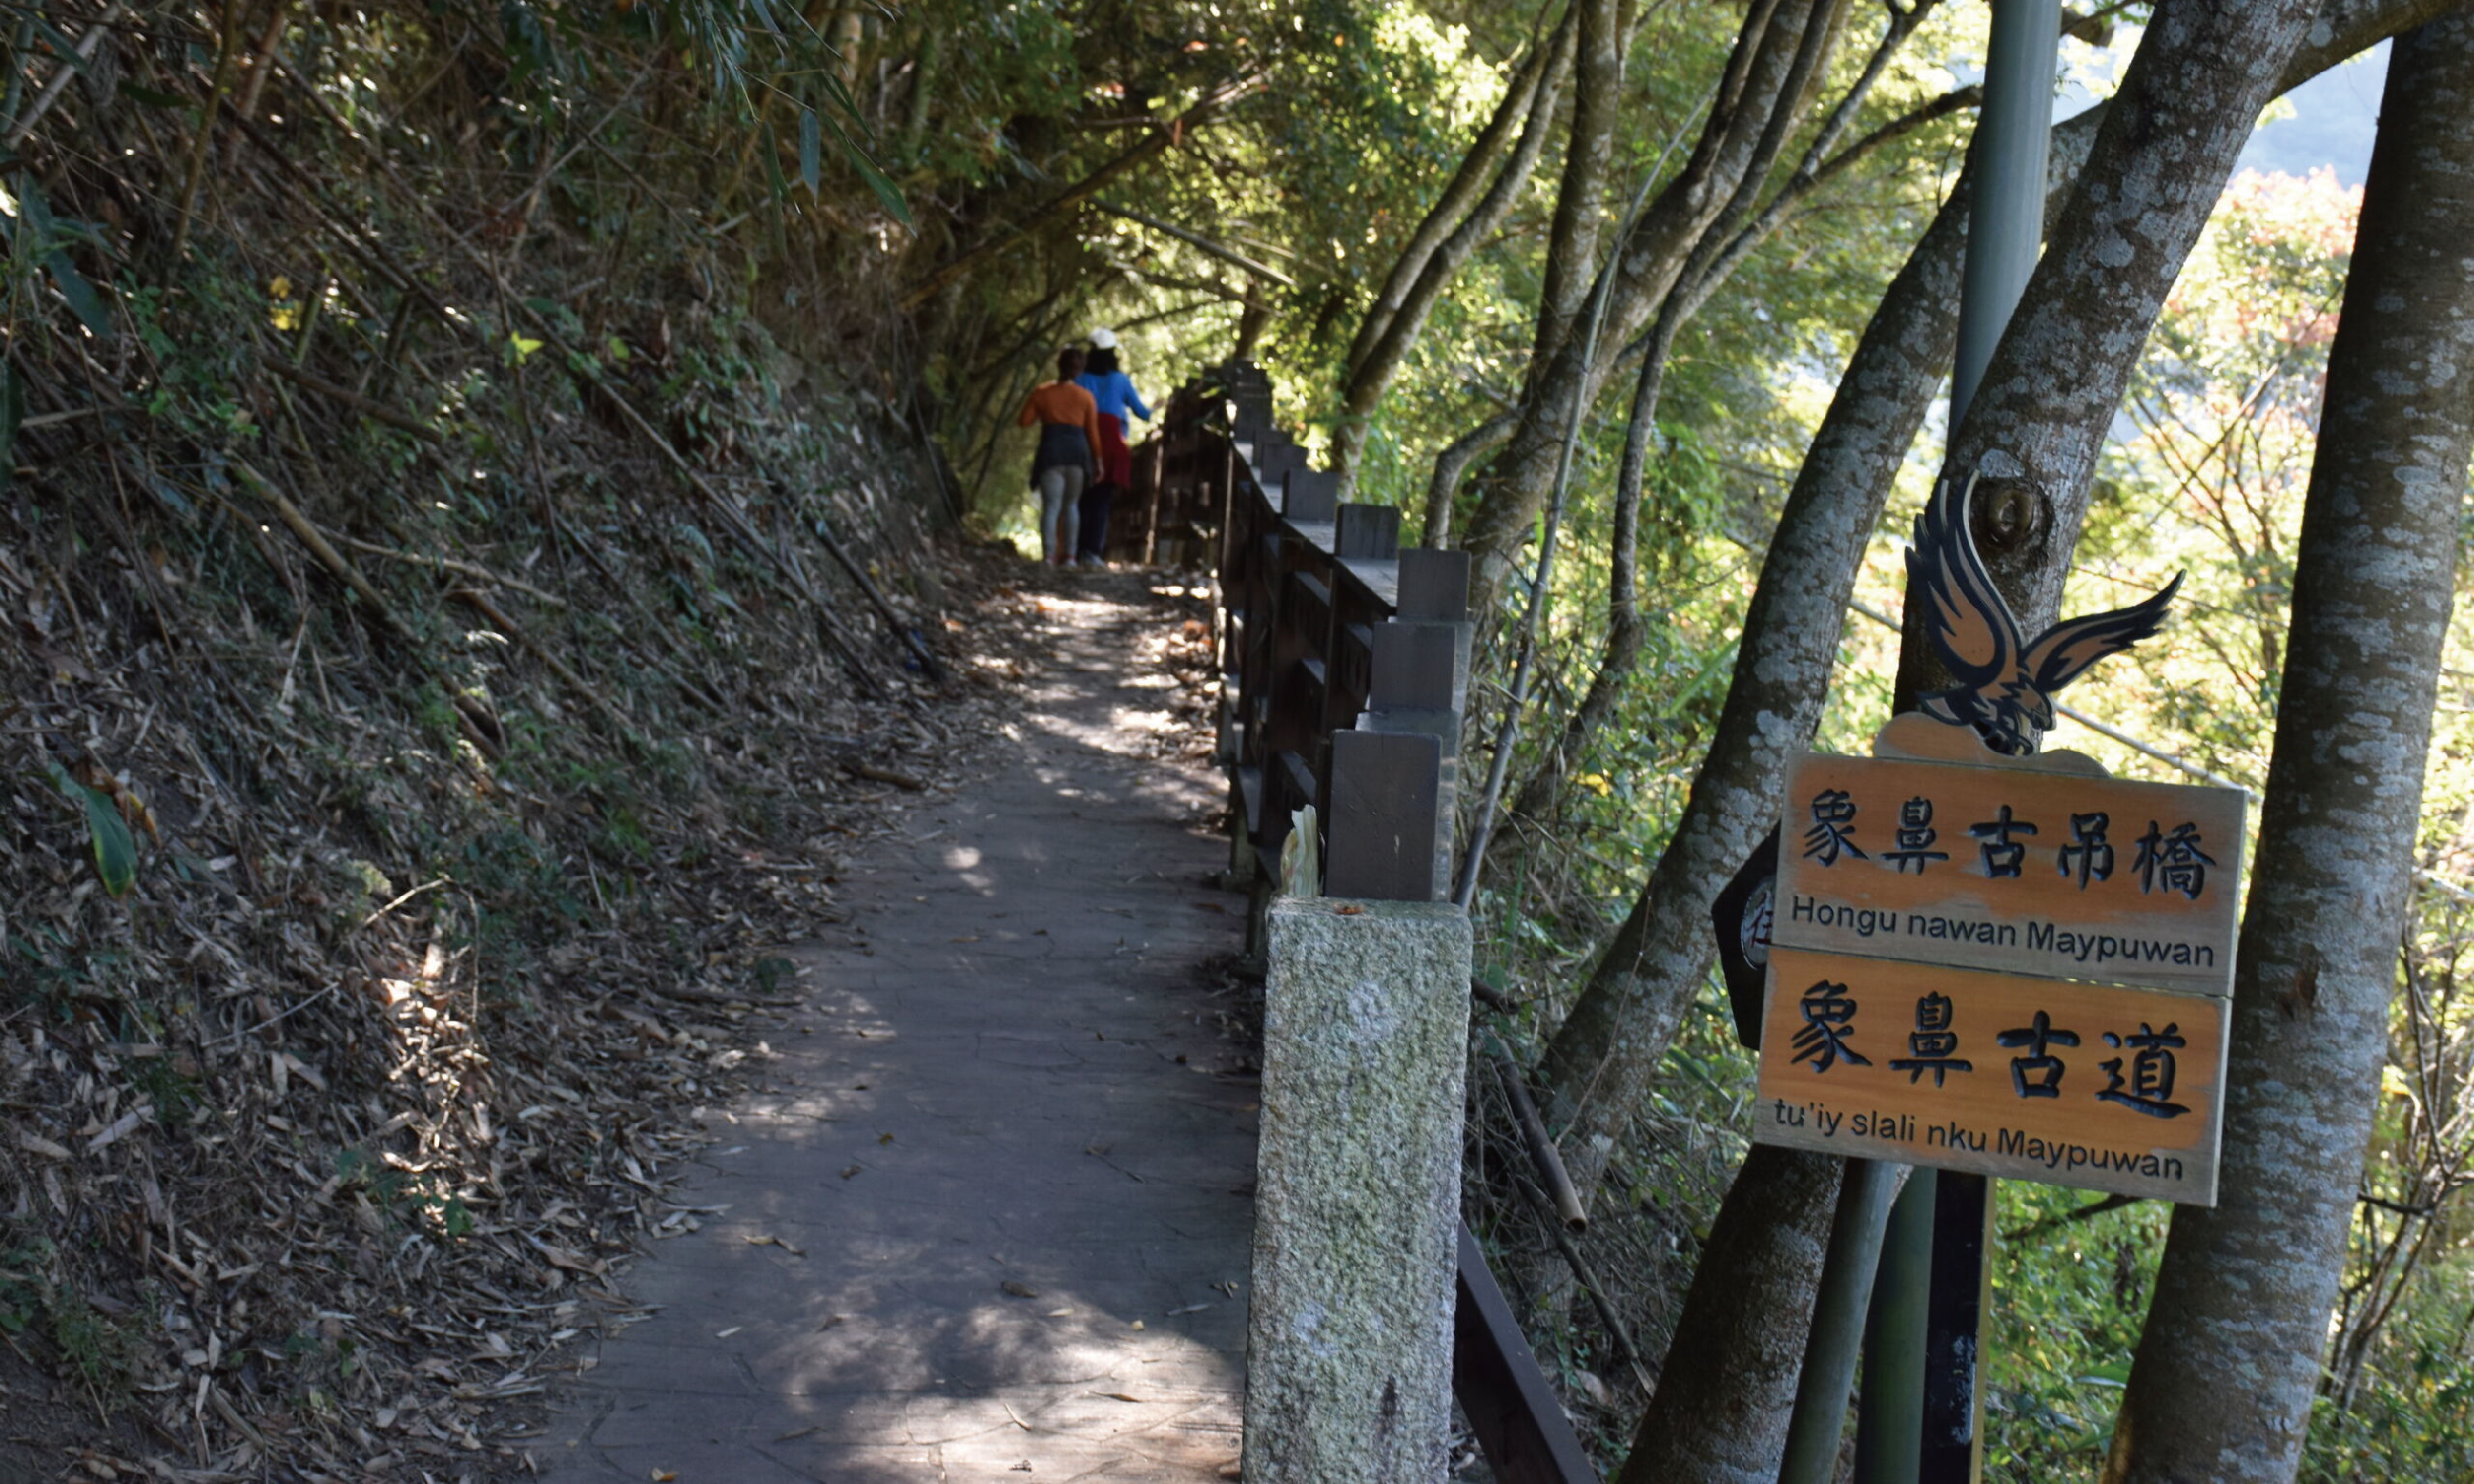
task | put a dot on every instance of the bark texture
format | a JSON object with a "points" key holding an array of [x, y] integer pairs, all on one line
{"points": [[1724, 246], [1780, 56], [1601, 1060], [2161, 154], [1450, 464], [1603, 1057], [1720, 1413], [1371, 375], [2229, 1361], [1572, 241]]}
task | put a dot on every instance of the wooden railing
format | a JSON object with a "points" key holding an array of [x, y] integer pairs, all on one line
{"points": [[1343, 658], [1344, 670]]}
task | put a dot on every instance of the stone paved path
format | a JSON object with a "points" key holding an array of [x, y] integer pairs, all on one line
{"points": [[1006, 1180]]}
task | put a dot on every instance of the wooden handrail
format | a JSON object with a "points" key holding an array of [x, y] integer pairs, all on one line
{"points": [[1343, 665]]}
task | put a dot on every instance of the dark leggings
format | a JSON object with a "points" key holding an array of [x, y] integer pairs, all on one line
{"points": [[1096, 501]]}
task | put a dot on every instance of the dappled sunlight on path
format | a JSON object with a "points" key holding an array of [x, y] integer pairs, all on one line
{"points": [[993, 1220]]}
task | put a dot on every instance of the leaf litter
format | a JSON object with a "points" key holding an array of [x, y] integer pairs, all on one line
{"points": [[319, 1177]]}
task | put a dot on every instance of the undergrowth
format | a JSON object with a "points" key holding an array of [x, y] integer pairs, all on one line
{"points": [[419, 548]]}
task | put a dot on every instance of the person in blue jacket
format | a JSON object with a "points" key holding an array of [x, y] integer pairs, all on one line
{"points": [[1114, 393]]}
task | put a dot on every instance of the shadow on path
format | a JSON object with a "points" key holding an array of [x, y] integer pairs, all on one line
{"points": [[993, 1222]]}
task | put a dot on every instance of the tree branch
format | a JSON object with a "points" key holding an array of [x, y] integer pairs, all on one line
{"points": [[1161, 141]]}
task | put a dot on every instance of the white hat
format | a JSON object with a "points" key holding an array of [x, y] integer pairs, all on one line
{"points": [[1103, 340]]}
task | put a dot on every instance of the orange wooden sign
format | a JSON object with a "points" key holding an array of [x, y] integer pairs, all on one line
{"points": [[2106, 1087], [2035, 870], [2052, 946]]}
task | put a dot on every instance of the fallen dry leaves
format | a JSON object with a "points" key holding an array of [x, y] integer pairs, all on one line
{"points": [[337, 1164]]}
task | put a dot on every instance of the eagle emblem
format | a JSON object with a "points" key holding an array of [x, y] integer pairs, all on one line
{"points": [[2005, 687]]}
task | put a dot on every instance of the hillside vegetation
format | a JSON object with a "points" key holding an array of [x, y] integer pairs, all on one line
{"points": [[438, 562], [492, 505]]}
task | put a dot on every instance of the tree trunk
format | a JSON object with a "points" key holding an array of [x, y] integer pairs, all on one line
{"points": [[1572, 241], [1779, 55], [1623, 1020], [1720, 1412], [1601, 1060], [1603, 1057], [1372, 376], [2159, 162], [1724, 246], [1621, 650], [1449, 465], [1454, 204], [1734, 150], [2229, 1361]]}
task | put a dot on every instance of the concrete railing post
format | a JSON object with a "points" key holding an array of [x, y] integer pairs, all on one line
{"points": [[1348, 1354]]}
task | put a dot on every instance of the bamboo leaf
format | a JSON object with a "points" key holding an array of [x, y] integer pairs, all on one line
{"points": [[772, 153], [35, 217], [887, 194], [810, 150], [63, 45], [116, 850], [840, 96], [83, 302], [155, 99]]}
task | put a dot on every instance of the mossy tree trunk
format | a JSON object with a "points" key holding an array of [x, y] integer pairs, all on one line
{"points": [[2155, 167], [2229, 1361]]}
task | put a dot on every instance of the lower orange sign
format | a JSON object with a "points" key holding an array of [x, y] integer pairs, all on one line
{"points": [[2094, 1086]]}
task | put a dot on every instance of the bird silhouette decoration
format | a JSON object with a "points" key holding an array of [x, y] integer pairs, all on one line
{"points": [[2005, 687]]}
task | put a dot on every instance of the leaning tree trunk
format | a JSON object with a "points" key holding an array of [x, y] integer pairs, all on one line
{"points": [[1781, 54], [1725, 246], [1572, 239], [1603, 1057], [1477, 162], [2229, 1361], [2161, 154], [1601, 1061], [1719, 1415], [2162, 144], [1370, 375]]}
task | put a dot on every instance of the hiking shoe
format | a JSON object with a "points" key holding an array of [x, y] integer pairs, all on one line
{"points": [[1089, 559]]}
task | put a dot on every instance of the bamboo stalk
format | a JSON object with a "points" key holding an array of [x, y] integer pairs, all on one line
{"points": [[257, 81], [368, 407], [451, 565], [320, 547], [497, 616], [206, 128], [828, 624], [928, 662], [52, 91], [1543, 1152]]}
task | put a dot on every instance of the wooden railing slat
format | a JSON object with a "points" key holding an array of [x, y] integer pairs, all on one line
{"points": [[1346, 660]]}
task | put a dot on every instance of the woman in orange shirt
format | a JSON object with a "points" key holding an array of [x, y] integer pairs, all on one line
{"points": [[1068, 457]]}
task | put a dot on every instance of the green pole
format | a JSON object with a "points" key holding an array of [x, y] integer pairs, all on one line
{"points": [[1918, 1288], [2005, 220], [1820, 1415], [1887, 1442]]}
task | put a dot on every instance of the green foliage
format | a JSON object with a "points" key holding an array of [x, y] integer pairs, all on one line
{"points": [[115, 849], [102, 1353], [22, 1286], [38, 239], [403, 1196], [2069, 1293]]}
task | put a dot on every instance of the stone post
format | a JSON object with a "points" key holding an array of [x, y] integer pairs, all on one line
{"points": [[1348, 1354]]}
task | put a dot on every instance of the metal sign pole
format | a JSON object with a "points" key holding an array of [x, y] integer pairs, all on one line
{"points": [[1920, 1416]]}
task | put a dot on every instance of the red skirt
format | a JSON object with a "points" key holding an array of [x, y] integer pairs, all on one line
{"points": [[1116, 461]]}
